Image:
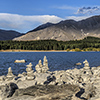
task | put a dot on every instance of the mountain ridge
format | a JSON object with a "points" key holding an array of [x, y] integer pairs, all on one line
{"points": [[9, 34], [65, 30]]}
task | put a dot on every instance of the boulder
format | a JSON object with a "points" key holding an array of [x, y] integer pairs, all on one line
{"points": [[7, 90], [41, 78], [46, 92], [20, 61], [90, 91], [25, 83]]}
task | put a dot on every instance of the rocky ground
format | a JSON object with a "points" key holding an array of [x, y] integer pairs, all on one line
{"points": [[72, 84], [46, 92]]}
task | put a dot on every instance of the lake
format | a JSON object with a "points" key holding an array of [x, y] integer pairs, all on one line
{"points": [[56, 60]]}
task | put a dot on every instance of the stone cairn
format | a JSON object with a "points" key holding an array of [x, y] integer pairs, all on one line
{"points": [[29, 70], [86, 68], [86, 71], [10, 74], [86, 64], [45, 67], [38, 67], [42, 68]]}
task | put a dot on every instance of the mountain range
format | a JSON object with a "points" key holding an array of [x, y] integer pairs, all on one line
{"points": [[9, 34], [65, 30]]}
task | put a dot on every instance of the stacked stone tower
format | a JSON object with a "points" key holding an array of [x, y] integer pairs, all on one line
{"points": [[38, 67], [29, 71], [42, 68], [10, 74], [86, 64], [86, 73], [45, 65], [86, 68]]}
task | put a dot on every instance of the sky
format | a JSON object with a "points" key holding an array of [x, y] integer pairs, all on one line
{"points": [[25, 15]]}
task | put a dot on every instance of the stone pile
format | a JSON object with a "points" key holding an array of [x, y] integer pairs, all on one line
{"points": [[42, 68], [29, 70], [10, 74], [87, 78]]}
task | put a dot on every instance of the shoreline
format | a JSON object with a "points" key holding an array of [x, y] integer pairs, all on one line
{"points": [[43, 51], [33, 51]]}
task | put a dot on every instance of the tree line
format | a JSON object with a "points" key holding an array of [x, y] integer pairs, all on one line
{"points": [[88, 42]]}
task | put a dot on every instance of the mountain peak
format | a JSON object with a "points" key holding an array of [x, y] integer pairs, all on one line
{"points": [[48, 24]]}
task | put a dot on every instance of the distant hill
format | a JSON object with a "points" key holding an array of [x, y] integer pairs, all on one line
{"points": [[65, 30], [8, 34]]}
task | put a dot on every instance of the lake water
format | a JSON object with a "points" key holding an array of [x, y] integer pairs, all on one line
{"points": [[56, 60]]}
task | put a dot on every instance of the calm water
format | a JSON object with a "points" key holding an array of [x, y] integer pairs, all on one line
{"points": [[56, 60]]}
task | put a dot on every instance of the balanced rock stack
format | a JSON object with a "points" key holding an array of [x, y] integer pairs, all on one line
{"points": [[42, 68], [86, 64], [45, 65], [86, 68], [10, 74], [29, 70], [38, 67]]}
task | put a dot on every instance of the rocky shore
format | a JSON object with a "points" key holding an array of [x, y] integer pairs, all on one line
{"points": [[72, 84]]}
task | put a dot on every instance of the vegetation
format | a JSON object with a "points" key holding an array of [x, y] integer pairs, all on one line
{"points": [[87, 44]]}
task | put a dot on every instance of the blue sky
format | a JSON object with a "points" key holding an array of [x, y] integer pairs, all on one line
{"points": [[25, 15]]}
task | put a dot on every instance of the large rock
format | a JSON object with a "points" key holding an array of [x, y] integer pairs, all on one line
{"points": [[41, 78], [46, 92], [7, 90], [26, 83], [90, 91]]}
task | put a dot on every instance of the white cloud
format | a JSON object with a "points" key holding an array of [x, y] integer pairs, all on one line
{"points": [[88, 10], [25, 23], [77, 18]]}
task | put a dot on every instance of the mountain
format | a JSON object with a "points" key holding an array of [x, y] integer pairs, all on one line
{"points": [[41, 27], [65, 30], [8, 34]]}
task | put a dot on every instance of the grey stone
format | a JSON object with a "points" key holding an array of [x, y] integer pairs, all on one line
{"points": [[46, 92], [7, 90], [89, 91], [26, 83], [41, 78]]}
